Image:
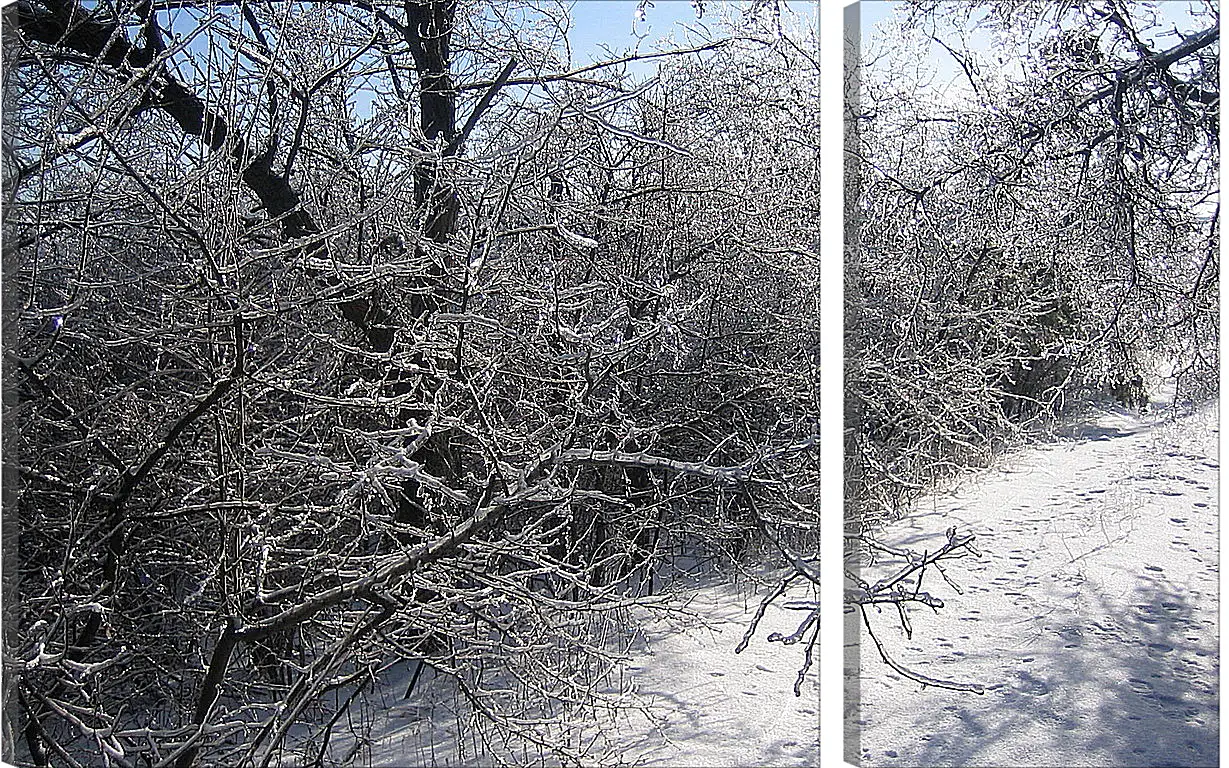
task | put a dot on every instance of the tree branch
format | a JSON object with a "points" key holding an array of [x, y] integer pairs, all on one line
{"points": [[571, 74], [66, 25], [457, 144], [915, 676]]}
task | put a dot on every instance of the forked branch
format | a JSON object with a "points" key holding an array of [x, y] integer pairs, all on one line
{"points": [[894, 590]]}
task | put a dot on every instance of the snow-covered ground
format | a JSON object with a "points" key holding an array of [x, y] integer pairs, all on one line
{"points": [[689, 699], [1090, 618], [717, 708]]}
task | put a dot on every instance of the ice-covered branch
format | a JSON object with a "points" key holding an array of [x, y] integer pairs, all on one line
{"points": [[618, 458]]}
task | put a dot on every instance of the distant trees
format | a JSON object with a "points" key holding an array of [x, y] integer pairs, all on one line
{"points": [[343, 333]]}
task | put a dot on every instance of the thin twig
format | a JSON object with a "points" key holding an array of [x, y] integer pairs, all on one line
{"points": [[915, 676]]}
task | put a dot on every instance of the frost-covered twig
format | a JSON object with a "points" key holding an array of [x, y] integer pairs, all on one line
{"points": [[892, 590], [905, 671], [618, 458]]}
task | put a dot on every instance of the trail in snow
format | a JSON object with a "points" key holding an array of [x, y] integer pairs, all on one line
{"points": [[697, 702], [1091, 616], [716, 708]]}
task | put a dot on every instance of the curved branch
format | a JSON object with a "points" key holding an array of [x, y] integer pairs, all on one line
{"points": [[915, 676]]}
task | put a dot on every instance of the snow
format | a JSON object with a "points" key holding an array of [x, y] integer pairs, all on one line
{"points": [[1091, 616], [577, 240], [690, 700], [717, 708]]}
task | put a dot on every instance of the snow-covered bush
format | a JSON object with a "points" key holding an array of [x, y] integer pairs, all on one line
{"points": [[1043, 232]]}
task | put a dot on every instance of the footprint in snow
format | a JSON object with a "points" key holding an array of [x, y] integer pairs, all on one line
{"points": [[1032, 685]]}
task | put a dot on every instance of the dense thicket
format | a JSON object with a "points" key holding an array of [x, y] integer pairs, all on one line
{"points": [[344, 333]]}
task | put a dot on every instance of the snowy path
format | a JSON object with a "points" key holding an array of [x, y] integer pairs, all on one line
{"points": [[718, 708], [1091, 616], [698, 702]]}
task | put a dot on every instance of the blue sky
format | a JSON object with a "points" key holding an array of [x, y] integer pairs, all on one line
{"points": [[613, 23], [599, 25]]}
